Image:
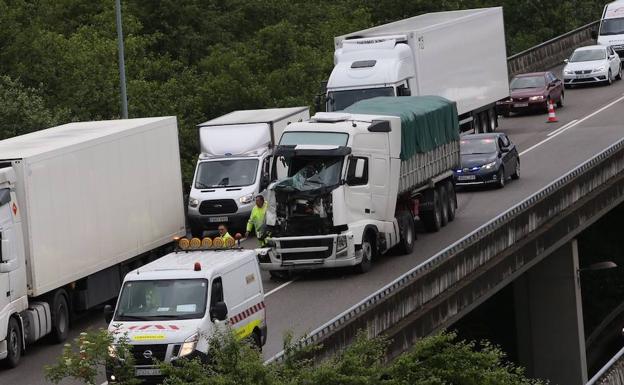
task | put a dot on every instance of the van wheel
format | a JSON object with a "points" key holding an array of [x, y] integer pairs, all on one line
{"points": [[408, 232], [367, 255], [14, 343], [451, 200], [280, 275], [432, 218], [60, 317], [257, 340]]}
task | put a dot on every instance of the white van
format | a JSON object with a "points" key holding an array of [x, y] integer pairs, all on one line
{"points": [[611, 30], [169, 308]]}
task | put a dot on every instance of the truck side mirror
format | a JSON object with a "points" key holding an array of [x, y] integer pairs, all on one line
{"points": [[218, 311], [108, 313], [359, 168]]}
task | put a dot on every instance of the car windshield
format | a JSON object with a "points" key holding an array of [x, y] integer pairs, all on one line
{"points": [[319, 138], [226, 173], [339, 100], [477, 146], [162, 300], [612, 26], [527, 82], [588, 55]]}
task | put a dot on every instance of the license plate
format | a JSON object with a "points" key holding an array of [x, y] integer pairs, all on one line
{"points": [[147, 372], [467, 177], [583, 76], [521, 104], [219, 219]]}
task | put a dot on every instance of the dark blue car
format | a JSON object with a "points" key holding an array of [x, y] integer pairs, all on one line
{"points": [[487, 159]]}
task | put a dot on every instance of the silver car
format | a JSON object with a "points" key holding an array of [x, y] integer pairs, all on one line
{"points": [[592, 64]]}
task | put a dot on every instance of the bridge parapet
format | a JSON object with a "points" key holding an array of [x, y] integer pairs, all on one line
{"points": [[612, 373]]}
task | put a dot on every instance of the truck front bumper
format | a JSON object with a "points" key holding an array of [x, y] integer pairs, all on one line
{"points": [[309, 253]]}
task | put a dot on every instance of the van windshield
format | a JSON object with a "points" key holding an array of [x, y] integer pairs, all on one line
{"points": [[169, 299], [612, 26], [226, 173], [339, 100]]}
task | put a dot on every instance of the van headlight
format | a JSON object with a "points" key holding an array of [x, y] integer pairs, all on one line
{"points": [[193, 202], [341, 243], [112, 351], [246, 199], [189, 345]]}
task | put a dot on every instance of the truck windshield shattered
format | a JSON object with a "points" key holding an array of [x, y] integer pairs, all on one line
{"points": [[169, 299], [312, 174]]}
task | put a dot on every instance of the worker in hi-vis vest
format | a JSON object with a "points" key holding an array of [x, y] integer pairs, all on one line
{"points": [[256, 219]]}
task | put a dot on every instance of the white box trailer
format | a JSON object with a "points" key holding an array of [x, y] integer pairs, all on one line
{"points": [[86, 202], [459, 55]]}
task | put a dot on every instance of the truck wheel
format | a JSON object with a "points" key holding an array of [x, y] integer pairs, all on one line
{"points": [[408, 232], [452, 200], [367, 255], [432, 218], [14, 344], [60, 317], [444, 206]]}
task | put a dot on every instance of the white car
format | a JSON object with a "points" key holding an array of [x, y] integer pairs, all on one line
{"points": [[592, 64]]}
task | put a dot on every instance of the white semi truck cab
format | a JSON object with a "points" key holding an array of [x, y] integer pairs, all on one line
{"points": [[233, 165], [355, 182]]}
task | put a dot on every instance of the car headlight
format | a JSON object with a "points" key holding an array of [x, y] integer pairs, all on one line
{"points": [[246, 199], [489, 165], [189, 345], [568, 72], [193, 202], [599, 69], [112, 351], [341, 243], [534, 98]]}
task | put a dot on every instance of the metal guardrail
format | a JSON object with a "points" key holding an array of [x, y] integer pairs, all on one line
{"points": [[361, 312], [612, 373], [551, 52]]}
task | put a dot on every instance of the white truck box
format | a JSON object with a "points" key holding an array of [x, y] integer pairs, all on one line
{"points": [[95, 194], [459, 55]]}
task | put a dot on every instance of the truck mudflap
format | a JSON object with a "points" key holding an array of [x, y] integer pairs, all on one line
{"points": [[310, 252]]}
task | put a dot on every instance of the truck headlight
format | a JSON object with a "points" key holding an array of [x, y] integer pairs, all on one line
{"points": [[489, 165], [189, 345], [534, 98], [193, 202], [246, 199], [341, 243]]}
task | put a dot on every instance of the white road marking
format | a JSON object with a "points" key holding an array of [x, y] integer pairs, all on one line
{"points": [[280, 287], [570, 125], [562, 127]]}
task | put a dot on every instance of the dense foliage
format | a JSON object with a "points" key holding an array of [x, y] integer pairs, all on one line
{"points": [[437, 360], [197, 59]]}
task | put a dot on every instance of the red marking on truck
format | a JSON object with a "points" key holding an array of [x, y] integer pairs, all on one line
{"points": [[159, 327], [14, 209]]}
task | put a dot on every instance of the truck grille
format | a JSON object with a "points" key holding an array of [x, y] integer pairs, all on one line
{"points": [[218, 206], [158, 352], [327, 242]]}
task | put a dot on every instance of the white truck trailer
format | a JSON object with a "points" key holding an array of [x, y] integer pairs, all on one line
{"points": [[81, 205], [358, 179], [233, 165], [459, 55]]}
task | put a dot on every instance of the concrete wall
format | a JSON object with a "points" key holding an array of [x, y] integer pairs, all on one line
{"points": [[552, 52]]}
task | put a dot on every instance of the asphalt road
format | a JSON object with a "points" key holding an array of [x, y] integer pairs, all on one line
{"points": [[547, 151]]}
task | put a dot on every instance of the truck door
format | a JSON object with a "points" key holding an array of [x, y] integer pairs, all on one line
{"points": [[359, 200]]}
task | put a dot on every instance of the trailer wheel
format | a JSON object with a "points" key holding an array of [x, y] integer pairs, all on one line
{"points": [[14, 343], [432, 218], [451, 199], [60, 317], [493, 120], [368, 250], [444, 204], [408, 232]]}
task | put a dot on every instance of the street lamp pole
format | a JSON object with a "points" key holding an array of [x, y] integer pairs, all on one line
{"points": [[122, 66]]}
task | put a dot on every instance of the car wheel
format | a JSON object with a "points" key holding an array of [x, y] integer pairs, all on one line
{"points": [[560, 101], [619, 75], [501, 178], [516, 174], [609, 78], [14, 344]]}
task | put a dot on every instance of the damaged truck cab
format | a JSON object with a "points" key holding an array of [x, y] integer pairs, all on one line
{"points": [[348, 194]]}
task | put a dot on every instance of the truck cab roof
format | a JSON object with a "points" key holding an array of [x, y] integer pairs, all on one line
{"points": [[181, 264], [253, 116]]}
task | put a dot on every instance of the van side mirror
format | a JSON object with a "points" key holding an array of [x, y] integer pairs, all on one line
{"points": [[359, 168], [566, 61], [108, 313], [218, 311], [264, 181]]}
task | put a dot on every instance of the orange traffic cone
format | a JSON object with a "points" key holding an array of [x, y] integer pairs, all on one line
{"points": [[552, 118]]}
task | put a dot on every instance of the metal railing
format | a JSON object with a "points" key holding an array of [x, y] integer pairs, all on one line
{"points": [[612, 373]]}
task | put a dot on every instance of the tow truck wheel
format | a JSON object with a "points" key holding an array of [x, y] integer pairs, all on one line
{"points": [[14, 344], [367, 255], [60, 317]]}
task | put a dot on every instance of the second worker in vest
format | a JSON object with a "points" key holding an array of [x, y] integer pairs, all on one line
{"points": [[256, 219]]}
